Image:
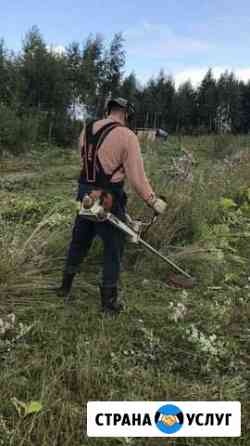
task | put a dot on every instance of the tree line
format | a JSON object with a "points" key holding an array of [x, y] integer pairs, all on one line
{"points": [[41, 90]]}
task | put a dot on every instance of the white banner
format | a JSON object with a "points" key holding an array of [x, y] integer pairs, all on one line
{"points": [[163, 419]]}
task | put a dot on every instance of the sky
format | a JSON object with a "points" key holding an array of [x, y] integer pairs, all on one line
{"points": [[184, 38]]}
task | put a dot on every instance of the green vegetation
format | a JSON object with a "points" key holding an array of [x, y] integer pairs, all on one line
{"points": [[45, 92], [169, 344]]}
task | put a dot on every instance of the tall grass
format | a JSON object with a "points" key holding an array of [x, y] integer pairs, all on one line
{"points": [[168, 344]]}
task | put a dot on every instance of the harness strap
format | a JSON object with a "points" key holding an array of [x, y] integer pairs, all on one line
{"points": [[116, 170], [92, 145], [105, 131]]}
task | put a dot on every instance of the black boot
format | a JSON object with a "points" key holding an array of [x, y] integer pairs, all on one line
{"points": [[64, 290], [109, 300]]}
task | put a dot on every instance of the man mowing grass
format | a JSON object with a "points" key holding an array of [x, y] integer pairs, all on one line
{"points": [[110, 152]]}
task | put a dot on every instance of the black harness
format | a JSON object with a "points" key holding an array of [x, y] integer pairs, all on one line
{"points": [[93, 172]]}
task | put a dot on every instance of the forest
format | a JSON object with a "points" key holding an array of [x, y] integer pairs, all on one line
{"points": [[42, 88]]}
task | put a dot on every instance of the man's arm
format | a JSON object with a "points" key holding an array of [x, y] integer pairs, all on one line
{"points": [[134, 170]]}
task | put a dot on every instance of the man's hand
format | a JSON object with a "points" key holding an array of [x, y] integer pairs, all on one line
{"points": [[158, 204]]}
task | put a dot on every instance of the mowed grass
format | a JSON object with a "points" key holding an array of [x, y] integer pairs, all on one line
{"points": [[168, 344]]}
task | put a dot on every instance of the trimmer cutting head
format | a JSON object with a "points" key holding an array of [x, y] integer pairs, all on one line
{"points": [[180, 281]]}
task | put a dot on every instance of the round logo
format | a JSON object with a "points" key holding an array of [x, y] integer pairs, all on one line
{"points": [[169, 419]]}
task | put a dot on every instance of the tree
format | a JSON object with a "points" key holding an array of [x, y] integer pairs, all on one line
{"points": [[45, 88], [157, 102], [115, 63], [6, 92], [245, 107], [111, 73], [229, 97], [34, 70], [207, 102], [73, 62], [91, 71], [186, 108], [128, 88], [165, 94]]}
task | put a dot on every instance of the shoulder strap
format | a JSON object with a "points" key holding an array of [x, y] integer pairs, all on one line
{"points": [[93, 143], [104, 131], [116, 170]]}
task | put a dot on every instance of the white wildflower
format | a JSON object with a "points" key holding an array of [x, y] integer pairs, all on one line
{"points": [[11, 318], [207, 344], [178, 313], [184, 295], [7, 323]]}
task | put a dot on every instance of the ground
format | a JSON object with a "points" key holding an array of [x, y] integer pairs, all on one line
{"points": [[169, 344]]}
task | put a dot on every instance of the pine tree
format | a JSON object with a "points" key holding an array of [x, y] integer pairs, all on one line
{"points": [[73, 62], [7, 76], [111, 73], [34, 71], [128, 88], [229, 97], [91, 71], [186, 108], [157, 102], [245, 107], [207, 102]]}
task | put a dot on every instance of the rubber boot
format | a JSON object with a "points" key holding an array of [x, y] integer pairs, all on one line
{"points": [[109, 300], [64, 290]]}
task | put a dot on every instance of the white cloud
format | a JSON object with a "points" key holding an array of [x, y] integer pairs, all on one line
{"points": [[152, 46], [159, 41], [196, 74], [56, 49]]}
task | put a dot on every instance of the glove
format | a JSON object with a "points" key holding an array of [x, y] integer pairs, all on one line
{"points": [[158, 204]]}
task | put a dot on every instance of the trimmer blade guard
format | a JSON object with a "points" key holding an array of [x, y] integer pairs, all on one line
{"points": [[179, 281]]}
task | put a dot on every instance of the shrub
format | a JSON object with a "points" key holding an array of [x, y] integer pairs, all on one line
{"points": [[17, 134]]}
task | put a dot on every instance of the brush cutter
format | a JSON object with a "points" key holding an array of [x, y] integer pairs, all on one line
{"points": [[95, 207]]}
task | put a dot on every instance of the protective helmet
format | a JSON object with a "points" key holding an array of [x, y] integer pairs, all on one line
{"points": [[122, 103]]}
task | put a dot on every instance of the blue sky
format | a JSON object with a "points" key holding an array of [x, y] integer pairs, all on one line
{"points": [[184, 38]]}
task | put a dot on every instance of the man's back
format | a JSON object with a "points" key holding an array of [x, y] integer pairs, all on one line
{"points": [[121, 148]]}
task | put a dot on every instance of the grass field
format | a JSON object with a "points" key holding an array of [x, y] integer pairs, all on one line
{"points": [[168, 344]]}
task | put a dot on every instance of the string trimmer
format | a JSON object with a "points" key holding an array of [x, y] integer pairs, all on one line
{"points": [[95, 207]]}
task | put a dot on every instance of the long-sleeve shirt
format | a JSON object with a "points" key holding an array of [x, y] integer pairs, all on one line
{"points": [[121, 147]]}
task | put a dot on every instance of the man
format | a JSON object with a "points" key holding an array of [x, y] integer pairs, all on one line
{"points": [[110, 151]]}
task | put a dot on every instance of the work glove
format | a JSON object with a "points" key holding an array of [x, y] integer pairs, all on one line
{"points": [[158, 204]]}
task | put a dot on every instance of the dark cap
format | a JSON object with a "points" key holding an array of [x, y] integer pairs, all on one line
{"points": [[122, 103]]}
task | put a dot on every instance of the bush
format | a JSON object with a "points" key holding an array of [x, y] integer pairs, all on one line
{"points": [[17, 134]]}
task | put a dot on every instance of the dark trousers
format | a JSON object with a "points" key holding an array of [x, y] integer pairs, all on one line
{"points": [[84, 232]]}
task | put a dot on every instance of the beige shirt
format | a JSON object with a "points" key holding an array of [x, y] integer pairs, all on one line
{"points": [[121, 146]]}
